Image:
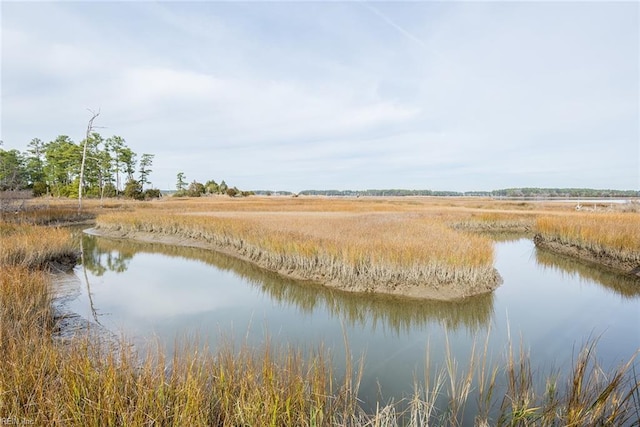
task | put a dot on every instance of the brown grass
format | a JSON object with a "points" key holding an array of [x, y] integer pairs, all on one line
{"points": [[36, 247], [609, 236], [413, 246], [404, 253], [510, 222]]}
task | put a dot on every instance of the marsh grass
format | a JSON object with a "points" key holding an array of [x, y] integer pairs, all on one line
{"points": [[53, 211], [509, 392], [51, 215], [614, 236], [36, 247], [389, 253], [87, 382], [84, 381]]}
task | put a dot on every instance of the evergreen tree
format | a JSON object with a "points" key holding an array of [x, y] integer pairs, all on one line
{"points": [[181, 184], [145, 168]]}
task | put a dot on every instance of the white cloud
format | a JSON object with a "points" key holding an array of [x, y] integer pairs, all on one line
{"points": [[303, 95]]}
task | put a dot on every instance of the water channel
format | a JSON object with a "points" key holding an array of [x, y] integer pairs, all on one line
{"points": [[158, 294]]}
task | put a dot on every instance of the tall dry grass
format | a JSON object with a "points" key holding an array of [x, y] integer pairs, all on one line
{"points": [[49, 211], [508, 392], [36, 247], [84, 383], [411, 254], [615, 236]]}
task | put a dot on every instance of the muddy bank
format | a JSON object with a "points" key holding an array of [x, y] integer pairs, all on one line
{"points": [[438, 285], [69, 324], [587, 254], [495, 227], [62, 263]]}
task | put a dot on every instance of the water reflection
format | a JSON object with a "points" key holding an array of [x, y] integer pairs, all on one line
{"points": [[389, 314], [100, 257], [83, 262], [623, 285], [170, 293]]}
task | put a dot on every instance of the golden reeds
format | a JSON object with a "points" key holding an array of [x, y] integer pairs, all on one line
{"points": [[608, 238], [36, 247], [413, 255]]}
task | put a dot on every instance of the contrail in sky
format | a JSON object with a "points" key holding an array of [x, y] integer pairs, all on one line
{"points": [[392, 23]]}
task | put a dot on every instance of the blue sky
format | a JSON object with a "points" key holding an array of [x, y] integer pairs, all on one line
{"points": [[341, 95]]}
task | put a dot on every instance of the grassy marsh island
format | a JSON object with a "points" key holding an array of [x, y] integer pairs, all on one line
{"points": [[610, 239], [394, 253], [416, 247]]}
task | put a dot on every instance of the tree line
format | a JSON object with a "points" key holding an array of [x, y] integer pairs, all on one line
{"points": [[386, 192], [564, 192], [107, 167], [197, 189], [508, 192]]}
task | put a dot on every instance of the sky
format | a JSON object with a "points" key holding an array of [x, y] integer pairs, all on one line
{"points": [[463, 96]]}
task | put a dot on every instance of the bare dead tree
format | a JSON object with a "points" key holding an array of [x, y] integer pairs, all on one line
{"points": [[84, 156], [94, 312]]}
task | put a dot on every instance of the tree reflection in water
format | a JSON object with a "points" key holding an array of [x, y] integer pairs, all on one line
{"points": [[392, 314], [100, 257]]}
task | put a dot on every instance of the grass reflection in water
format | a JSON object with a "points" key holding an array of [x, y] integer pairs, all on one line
{"points": [[390, 313]]}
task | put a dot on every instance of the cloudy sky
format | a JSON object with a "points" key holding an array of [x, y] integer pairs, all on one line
{"points": [[341, 95]]}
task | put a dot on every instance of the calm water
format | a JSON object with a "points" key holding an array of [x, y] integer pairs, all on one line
{"points": [[155, 293]]}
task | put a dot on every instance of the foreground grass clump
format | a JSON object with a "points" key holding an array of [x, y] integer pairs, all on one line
{"points": [[408, 254], [83, 384], [608, 238], [508, 393], [25, 305], [36, 247]]}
